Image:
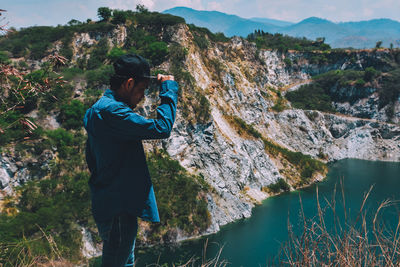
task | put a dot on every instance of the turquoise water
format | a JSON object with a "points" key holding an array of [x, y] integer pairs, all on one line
{"points": [[256, 240]]}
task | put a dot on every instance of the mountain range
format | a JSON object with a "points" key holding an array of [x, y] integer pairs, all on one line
{"points": [[362, 34]]}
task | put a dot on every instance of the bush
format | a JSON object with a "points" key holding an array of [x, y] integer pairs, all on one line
{"points": [[56, 97], [279, 186], [288, 62], [62, 140], [156, 52], [186, 210], [12, 129], [245, 128], [4, 57], [279, 106], [389, 93], [104, 13], [71, 115], [70, 73], [311, 97], [115, 53], [99, 77], [98, 55], [370, 74], [119, 17]]}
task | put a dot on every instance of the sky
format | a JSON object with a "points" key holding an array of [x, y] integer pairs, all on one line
{"points": [[24, 13]]}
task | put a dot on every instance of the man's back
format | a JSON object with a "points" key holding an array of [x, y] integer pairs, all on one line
{"points": [[120, 180]]}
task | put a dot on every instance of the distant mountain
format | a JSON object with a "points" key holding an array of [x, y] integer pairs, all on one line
{"points": [[216, 21], [313, 28], [362, 34], [276, 22]]}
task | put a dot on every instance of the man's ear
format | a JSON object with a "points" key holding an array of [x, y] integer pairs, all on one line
{"points": [[130, 83]]}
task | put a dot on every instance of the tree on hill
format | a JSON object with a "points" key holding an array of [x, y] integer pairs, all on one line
{"points": [[119, 16], [141, 9], [104, 13]]}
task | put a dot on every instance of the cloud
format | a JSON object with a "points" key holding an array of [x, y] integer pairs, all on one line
{"points": [[214, 6], [196, 4], [129, 4]]}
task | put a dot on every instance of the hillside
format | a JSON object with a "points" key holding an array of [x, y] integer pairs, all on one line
{"points": [[362, 34], [237, 139]]}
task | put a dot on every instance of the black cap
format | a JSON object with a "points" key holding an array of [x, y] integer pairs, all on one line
{"points": [[132, 65]]}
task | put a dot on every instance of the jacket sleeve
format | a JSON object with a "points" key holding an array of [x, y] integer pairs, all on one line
{"points": [[122, 122]]}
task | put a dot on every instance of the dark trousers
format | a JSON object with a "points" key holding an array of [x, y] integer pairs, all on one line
{"points": [[118, 235]]}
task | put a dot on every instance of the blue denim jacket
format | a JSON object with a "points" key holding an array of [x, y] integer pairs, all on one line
{"points": [[120, 180]]}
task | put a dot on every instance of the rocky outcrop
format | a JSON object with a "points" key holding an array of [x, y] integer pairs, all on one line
{"points": [[15, 170], [237, 167]]}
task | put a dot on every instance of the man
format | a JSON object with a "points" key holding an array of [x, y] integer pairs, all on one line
{"points": [[121, 189]]}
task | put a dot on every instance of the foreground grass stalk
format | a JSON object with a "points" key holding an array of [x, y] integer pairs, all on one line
{"points": [[347, 242]]}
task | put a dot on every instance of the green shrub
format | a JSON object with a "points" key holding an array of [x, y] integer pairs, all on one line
{"points": [[360, 83], [119, 16], [98, 55], [243, 127], [156, 52], [104, 13], [186, 209], [390, 90], [71, 115], [370, 74], [70, 73], [155, 19], [4, 57], [56, 97], [280, 105], [115, 53], [13, 130], [288, 62], [278, 186], [202, 110], [100, 76], [63, 141], [201, 41], [311, 97]]}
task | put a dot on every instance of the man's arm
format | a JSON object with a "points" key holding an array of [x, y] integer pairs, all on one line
{"points": [[123, 123]]}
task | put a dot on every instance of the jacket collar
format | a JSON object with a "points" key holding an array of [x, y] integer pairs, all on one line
{"points": [[110, 93], [113, 95]]}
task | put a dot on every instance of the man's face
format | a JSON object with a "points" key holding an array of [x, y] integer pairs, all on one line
{"points": [[137, 93]]}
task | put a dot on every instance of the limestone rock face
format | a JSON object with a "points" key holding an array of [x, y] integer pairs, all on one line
{"points": [[15, 171], [237, 167]]}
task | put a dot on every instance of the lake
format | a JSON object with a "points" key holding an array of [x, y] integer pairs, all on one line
{"points": [[256, 240]]}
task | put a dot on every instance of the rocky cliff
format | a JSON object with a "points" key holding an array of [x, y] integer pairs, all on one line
{"points": [[238, 167]]}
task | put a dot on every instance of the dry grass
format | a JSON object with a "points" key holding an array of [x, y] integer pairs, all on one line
{"points": [[204, 262], [364, 241]]}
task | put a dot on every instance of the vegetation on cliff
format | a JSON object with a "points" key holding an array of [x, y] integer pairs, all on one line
{"points": [[283, 43], [348, 86]]}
